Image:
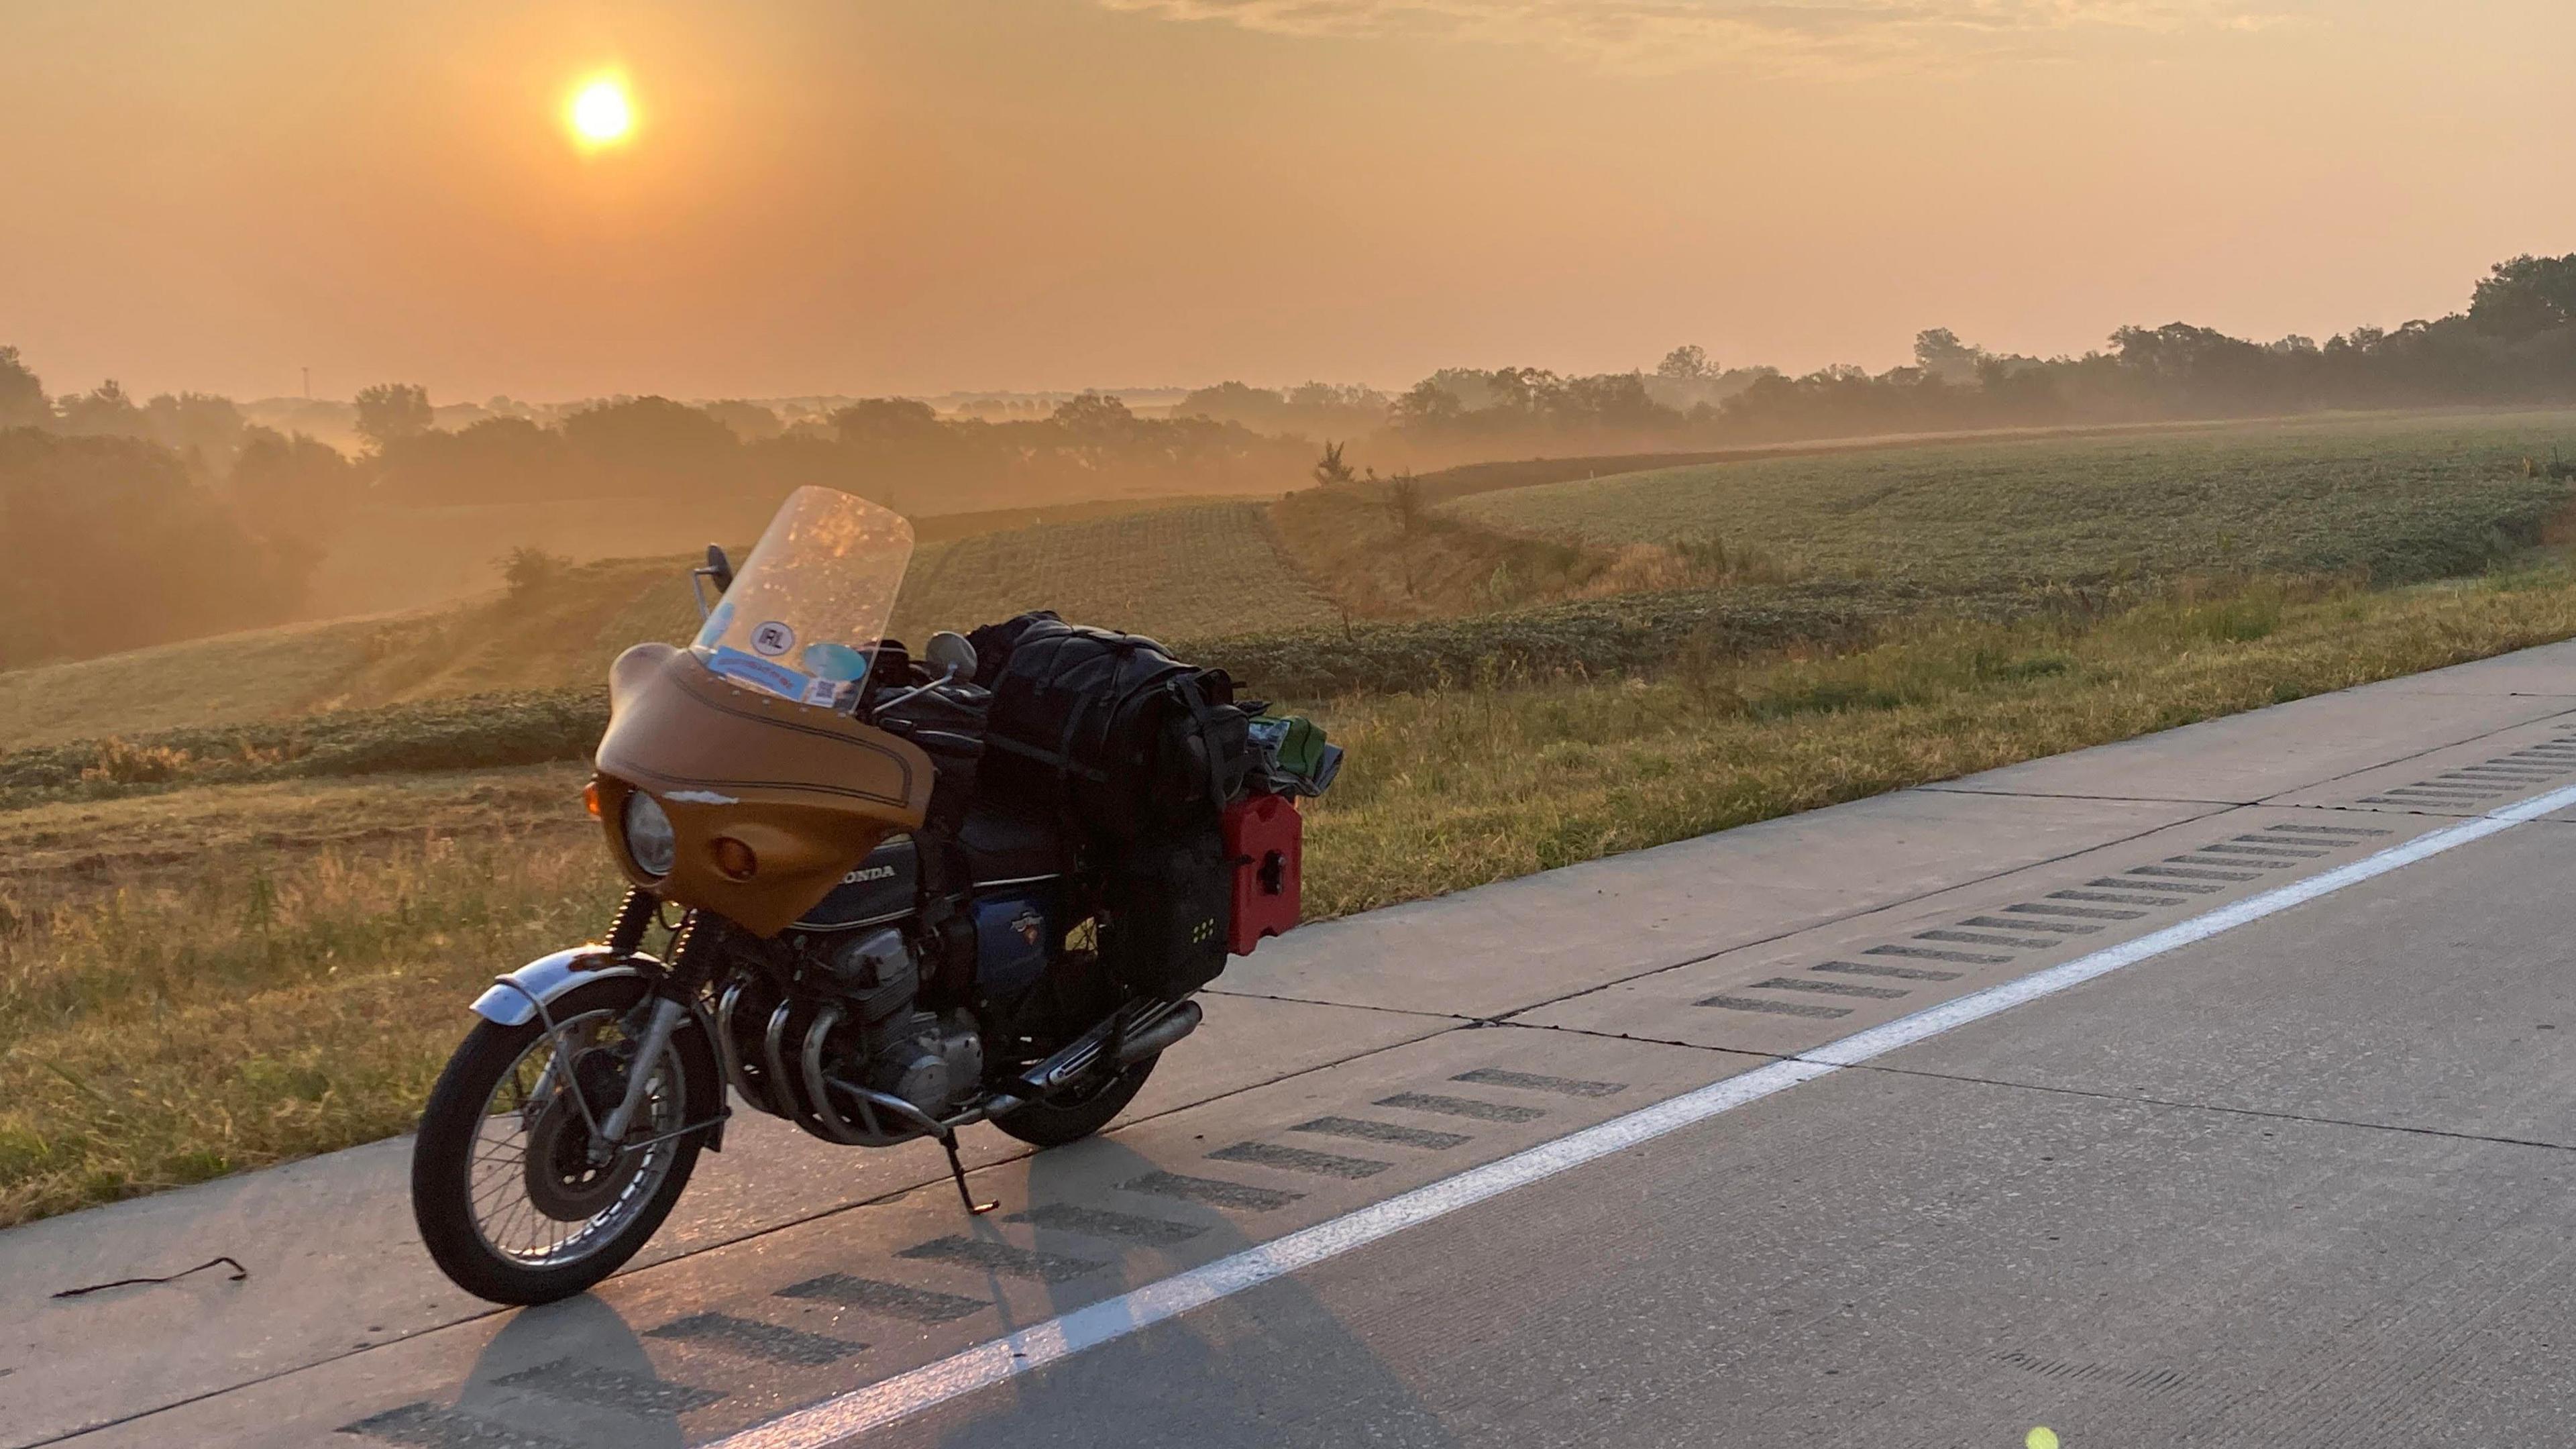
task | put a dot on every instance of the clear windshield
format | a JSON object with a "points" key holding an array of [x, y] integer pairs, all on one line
{"points": [[808, 608]]}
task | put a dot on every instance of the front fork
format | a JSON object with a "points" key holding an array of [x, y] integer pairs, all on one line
{"points": [[671, 997]]}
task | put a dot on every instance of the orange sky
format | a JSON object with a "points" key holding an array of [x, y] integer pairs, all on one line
{"points": [[865, 196]]}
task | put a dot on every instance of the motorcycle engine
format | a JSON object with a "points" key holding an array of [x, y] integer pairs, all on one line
{"points": [[935, 1061]]}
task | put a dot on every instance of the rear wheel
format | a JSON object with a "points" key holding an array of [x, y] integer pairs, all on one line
{"points": [[1076, 1113], [511, 1200]]}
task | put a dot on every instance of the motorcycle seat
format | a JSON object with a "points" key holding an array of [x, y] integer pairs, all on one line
{"points": [[1003, 844]]}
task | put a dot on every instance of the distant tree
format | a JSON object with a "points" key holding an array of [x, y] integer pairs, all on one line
{"points": [[1330, 469], [1940, 353], [195, 424], [103, 412], [114, 546], [23, 403], [1612, 401], [497, 459], [1425, 407], [1405, 502], [391, 411], [881, 422], [1472, 387], [1686, 363], [1095, 417], [292, 486], [528, 569], [750, 421], [651, 444], [2526, 295]]}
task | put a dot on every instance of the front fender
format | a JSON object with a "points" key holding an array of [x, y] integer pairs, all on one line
{"points": [[513, 999]]}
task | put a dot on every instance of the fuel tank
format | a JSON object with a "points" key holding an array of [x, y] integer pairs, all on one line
{"points": [[884, 887]]}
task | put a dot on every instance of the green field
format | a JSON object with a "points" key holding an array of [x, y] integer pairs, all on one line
{"points": [[2393, 499], [1183, 572]]}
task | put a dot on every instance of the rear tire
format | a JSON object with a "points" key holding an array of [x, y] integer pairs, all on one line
{"points": [[1069, 1117], [460, 1214]]}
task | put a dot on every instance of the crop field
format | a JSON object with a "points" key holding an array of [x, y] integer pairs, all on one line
{"points": [[230, 677], [1173, 572], [2393, 500]]}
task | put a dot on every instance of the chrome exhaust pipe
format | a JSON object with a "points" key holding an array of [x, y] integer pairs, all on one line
{"points": [[754, 1093], [1136, 1021], [867, 1131], [1143, 1042]]}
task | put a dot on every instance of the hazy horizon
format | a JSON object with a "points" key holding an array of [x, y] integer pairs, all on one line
{"points": [[929, 198]]}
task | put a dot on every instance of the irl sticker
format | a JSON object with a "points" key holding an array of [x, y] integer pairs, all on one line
{"points": [[773, 638]]}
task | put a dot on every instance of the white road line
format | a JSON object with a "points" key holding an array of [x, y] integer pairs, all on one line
{"points": [[843, 1417]]}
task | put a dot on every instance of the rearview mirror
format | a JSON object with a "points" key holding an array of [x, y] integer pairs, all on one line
{"points": [[717, 568], [950, 654]]}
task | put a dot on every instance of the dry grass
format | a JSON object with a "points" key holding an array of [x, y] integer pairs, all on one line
{"points": [[1455, 788], [222, 977]]}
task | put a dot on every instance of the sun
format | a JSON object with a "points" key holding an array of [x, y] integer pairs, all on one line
{"points": [[600, 113]]}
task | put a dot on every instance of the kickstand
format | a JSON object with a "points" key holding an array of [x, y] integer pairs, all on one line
{"points": [[957, 1170]]}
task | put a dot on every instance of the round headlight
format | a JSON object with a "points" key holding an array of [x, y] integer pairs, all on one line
{"points": [[649, 841]]}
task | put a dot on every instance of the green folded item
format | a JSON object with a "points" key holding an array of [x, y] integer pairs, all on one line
{"points": [[1295, 756]]}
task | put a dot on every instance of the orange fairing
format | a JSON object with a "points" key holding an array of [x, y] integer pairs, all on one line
{"points": [[803, 793]]}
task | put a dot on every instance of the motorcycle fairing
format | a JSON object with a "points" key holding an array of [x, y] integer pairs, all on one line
{"points": [[810, 791]]}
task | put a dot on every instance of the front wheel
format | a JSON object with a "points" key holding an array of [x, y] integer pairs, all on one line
{"points": [[1073, 1115], [511, 1200]]}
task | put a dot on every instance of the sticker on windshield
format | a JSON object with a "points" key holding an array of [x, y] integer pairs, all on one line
{"points": [[824, 692], [759, 673], [773, 638]]}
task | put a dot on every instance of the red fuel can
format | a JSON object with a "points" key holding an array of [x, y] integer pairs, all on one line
{"points": [[1263, 840]]}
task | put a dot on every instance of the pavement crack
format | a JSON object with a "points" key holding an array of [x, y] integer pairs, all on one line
{"points": [[1950, 789], [2258, 1113], [1461, 1018]]}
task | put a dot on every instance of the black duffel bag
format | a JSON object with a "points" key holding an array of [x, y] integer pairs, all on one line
{"points": [[1108, 729]]}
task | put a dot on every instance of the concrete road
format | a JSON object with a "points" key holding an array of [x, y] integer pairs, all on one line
{"points": [[2206, 1089]]}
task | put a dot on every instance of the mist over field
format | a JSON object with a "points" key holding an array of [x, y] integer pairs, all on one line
{"points": [[186, 514]]}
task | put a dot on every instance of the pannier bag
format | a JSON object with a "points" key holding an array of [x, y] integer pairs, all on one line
{"points": [[1168, 903], [1120, 738]]}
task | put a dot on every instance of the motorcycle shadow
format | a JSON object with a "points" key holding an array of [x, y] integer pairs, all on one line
{"points": [[567, 1370], [1269, 1367]]}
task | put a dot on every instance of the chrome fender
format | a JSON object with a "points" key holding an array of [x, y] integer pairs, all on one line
{"points": [[513, 999]]}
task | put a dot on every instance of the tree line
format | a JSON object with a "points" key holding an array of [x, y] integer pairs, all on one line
{"points": [[2514, 343], [141, 520], [148, 520]]}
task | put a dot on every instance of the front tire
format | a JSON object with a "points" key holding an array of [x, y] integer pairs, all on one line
{"points": [[1070, 1117], [506, 1199]]}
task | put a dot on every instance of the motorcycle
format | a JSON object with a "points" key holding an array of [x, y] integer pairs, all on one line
{"points": [[896, 898]]}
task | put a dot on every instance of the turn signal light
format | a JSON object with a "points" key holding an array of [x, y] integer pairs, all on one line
{"points": [[590, 798], [734, 858]]}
